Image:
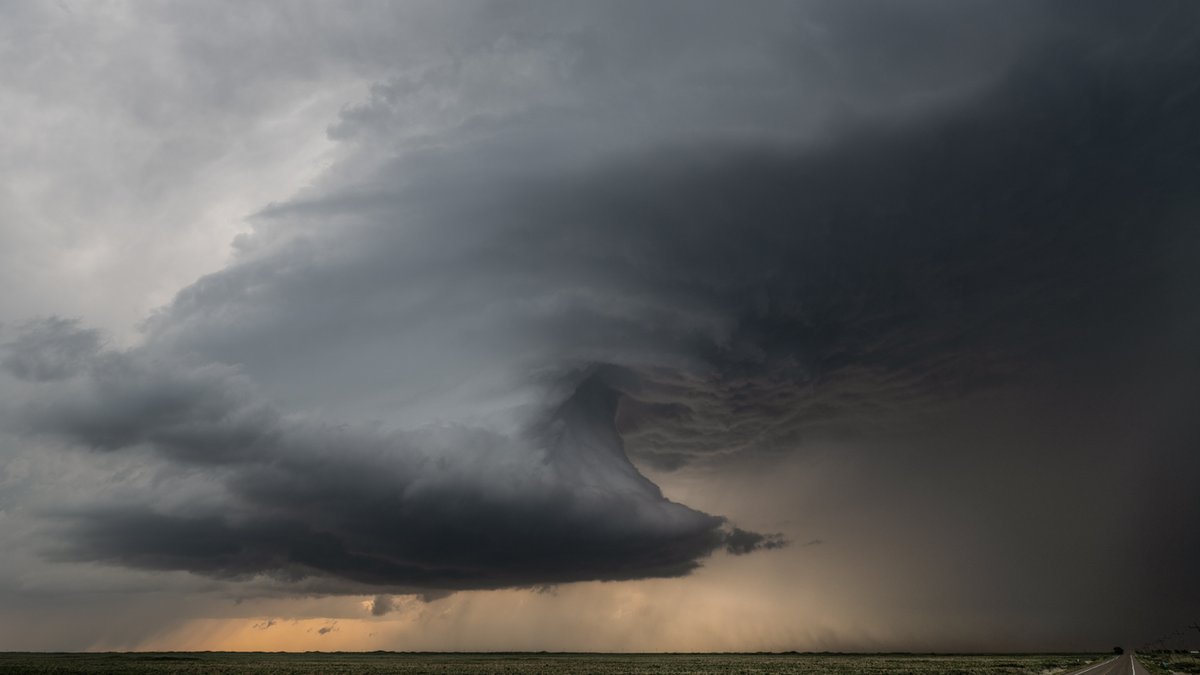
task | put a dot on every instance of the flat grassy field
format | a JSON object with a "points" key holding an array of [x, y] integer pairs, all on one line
{"points": [[600, 664], [1165, 663]]}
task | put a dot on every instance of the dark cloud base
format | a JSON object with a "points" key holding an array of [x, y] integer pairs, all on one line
{"points": [[444, 508]]}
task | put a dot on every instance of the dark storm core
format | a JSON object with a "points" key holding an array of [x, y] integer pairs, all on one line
{"points": [[1003, 290], [375, 516]]}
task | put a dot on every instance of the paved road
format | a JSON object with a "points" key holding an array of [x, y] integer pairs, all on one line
{"points": [[1121, 665]]}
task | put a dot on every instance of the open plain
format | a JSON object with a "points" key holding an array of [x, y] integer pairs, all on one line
{"points": [[537, 663]]}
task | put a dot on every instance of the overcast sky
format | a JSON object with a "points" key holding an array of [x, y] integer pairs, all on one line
{"points": [[599, 326]]}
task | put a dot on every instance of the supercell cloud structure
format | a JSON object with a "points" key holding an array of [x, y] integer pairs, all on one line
{"points": [[446, 506], [588, 239]]}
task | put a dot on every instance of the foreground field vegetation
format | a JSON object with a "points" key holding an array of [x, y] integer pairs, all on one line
{"points": [[1167, 663], [600, 664]]}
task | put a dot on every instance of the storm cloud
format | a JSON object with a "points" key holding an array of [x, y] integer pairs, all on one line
{"points": [[443, 507], [647, 240], [50, 349]]}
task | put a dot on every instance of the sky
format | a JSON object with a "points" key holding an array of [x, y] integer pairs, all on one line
{"points": [[599, 326]]}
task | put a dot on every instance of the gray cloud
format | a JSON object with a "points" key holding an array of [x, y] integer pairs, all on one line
{"points": [[758, 293], [50, 349], [382, 604], [444, 507], [705, 238], [741, 542]]}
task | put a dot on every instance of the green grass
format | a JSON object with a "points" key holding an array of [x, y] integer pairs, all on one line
{"points": [[600, 664], [1164, 663]]}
